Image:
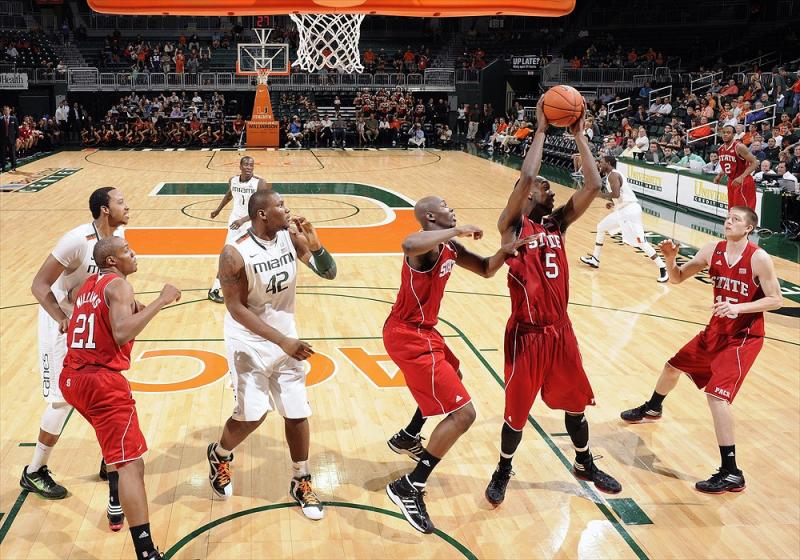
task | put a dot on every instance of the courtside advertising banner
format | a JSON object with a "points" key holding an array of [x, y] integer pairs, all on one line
{"points": [[12, 80], [651, 181]]}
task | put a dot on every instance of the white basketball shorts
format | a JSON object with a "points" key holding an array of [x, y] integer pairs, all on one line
{"points": [[52, 350]]}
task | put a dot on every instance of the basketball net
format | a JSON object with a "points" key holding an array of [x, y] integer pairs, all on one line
{"points": [[328, 41], [262, 75]]}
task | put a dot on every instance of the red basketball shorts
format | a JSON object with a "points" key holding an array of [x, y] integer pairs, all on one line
{"points": [[742, 195], [104, 398], [718, 362], [429, 366], [546, 359]]}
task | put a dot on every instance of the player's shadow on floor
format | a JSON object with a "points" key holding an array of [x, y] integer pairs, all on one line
{"points": [[629, 449]]}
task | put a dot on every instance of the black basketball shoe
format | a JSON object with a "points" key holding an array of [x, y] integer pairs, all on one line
{"points": [[640, 414], [411, 502], [496, 491], [116, 519], [404, 444], [42, 483], [602, 481], [722, 481]]}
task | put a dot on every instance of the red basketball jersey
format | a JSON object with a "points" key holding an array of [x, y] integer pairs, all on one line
{"points": [[735, 283], [538, 277], [732, 164], [90, 341], [421, 293]]}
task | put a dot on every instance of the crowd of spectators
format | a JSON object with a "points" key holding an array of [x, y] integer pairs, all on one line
{"points": [[408, 61], [605, 52], [28, 49], [183, 55]]}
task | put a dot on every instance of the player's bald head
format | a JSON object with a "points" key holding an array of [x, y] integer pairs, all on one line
{"points": [[261, 200], [424, 206], [107, 247]]}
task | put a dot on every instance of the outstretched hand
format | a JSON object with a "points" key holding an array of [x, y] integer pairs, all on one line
{"points": [[511, 247], [669, 248], [468, 230]]}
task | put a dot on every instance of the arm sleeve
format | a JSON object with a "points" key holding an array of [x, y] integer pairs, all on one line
{"points": [[322, 264]]}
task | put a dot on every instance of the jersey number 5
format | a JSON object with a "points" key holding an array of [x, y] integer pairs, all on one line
{"points": [[83, 335], [550, 265]]}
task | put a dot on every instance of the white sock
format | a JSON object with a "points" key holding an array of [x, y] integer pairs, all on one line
{"points": [[216, 285], [299, 469], [650, 252], [598, 246], [40, 457], [221, 452]]}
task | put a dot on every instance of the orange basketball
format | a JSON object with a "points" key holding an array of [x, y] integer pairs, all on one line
{"points": [[562, 105]]}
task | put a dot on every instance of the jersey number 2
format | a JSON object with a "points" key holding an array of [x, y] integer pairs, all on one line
{"points": [[83, 335]]}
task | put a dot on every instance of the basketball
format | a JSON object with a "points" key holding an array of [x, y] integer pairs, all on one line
{"points": [[563, 105]]}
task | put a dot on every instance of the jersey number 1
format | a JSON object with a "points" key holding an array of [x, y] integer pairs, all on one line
{"points": [[83, 335]]}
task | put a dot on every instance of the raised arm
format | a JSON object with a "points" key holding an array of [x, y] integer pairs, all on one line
{"points": [[233, 279], [310, 250], [225, 200], [764, 270], [126, 322], [678, 274], [510, 216], [580, 201]]}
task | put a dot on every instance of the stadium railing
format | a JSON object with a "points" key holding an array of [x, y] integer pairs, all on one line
{"points": [[703, 82], [91, 79], [714, 127], [665, 91], [618, 106]]}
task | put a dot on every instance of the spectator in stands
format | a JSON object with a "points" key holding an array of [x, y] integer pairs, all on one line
{"points": [[764, 168], [654, 154], [294, 133], [783, 171], [755, 149], [731, 90], [326, 130], [793, 166], [416, 136], [75, 120], [772, 150], [702, 130], [691, 159], [642, 142], [670, 158], [757, 114], [630, 150], [641, 115], [644, 92], [445, 136], [712, 167], [371, 129]]}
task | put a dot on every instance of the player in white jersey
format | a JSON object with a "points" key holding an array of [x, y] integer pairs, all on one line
{"points": [[240, 189], [626, 215], [258, 272], [62, 272]]}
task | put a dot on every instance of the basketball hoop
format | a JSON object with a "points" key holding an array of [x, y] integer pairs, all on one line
{"points": [[328, 41], [262, 75]]}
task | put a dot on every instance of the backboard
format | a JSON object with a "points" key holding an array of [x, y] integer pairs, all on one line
{"points": [[273, 57]]}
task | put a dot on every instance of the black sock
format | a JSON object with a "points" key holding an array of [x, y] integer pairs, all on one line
{"points": [[142, 540], [728, 455], [423, 469], [415, 426], [509, 441], [578, 430], [113, 488], [656, 400]]}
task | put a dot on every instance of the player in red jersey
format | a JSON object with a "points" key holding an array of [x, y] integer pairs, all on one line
{"points": [[719, 357], [104, 322], [430, 368], [541, 351], [738, 164]]}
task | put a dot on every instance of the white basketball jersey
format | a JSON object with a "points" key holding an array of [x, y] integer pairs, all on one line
{"points": [[271, 268], [241, 193], [626, 194], [74, 251]]}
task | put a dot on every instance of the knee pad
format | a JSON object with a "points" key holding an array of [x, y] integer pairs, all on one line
{"points": [[54, 418]]}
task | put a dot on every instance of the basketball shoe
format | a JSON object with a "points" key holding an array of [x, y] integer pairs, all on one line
{"points": [[116, 519], [42, 483], [496, 491], [215, 296], [591, 261], [662, 275], [404, 444], [219, 476], [300, 489], [722, 481], [640, 413], [411, 502], [602, 481]]}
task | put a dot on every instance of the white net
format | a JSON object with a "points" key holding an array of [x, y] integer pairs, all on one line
{"points": [[262, 74], [328, 41]]}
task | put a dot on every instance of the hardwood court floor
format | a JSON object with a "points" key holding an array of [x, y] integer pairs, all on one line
{"points": [[627, 325]]}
